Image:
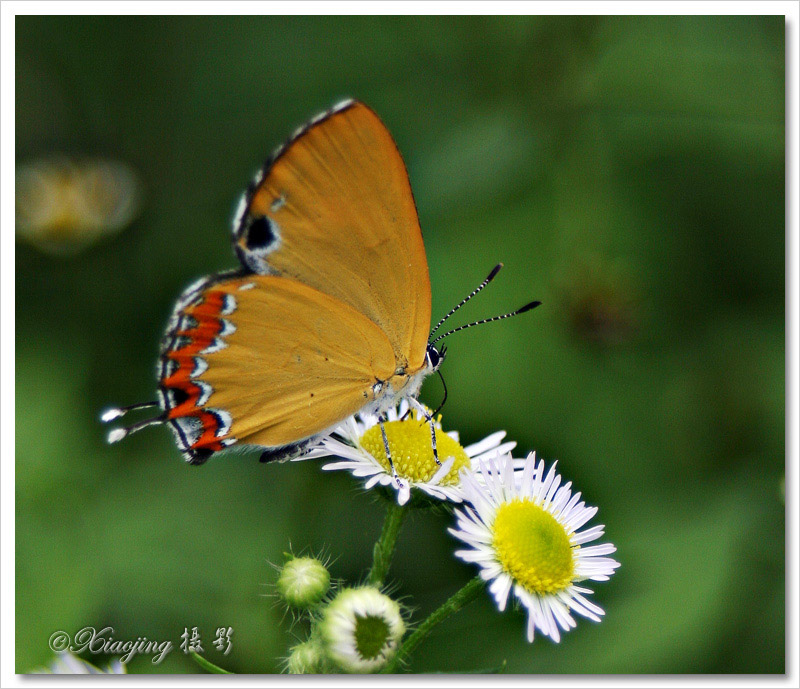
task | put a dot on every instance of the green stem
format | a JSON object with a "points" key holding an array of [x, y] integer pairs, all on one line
{"points": [[453, 604], [208, 666], [384, 548]]}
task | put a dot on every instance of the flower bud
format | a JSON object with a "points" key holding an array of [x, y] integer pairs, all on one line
{"points": [[303, 582], [307, 658]]}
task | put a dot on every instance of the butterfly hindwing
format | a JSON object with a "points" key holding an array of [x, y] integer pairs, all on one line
{"points": [[266, 361]]}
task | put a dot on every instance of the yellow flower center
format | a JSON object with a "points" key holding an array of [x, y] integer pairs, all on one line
{"points": [[533, 547], [412, 453]]}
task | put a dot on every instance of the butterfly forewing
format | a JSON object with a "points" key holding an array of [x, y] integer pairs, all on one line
{"points": [[334, 210]]}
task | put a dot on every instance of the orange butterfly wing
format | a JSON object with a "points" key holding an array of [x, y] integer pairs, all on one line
{"points": [[334, 210], [268, 361]]}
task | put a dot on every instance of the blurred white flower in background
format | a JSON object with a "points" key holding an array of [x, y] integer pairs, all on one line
{"points": [[67, 663]]}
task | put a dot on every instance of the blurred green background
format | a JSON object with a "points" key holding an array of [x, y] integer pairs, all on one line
{"points": [[629, 172]]}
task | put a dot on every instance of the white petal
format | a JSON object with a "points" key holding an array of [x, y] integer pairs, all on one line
{"points": [[403, 494], [589, 535], [603, 549], [371, 482], [488, 443], [443, 470], [500, 588]]}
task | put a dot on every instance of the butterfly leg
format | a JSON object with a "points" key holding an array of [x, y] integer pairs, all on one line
{"points": [[283, 454], [388, 451], [422, 410]]}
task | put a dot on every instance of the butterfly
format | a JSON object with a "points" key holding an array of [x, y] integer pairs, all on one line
{"points": [[327, 314]]}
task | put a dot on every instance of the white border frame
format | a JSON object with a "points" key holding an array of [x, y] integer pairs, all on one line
{"points": [[8, 12]]}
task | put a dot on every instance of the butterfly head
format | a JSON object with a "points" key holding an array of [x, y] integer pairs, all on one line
{"points": [[434, 358]]}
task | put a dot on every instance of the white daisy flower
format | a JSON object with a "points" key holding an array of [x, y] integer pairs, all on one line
{"points": [[522, 531], [361, 629], [359, 442]]}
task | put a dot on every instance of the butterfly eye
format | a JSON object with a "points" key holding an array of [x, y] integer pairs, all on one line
{"points": [[257, 237]]}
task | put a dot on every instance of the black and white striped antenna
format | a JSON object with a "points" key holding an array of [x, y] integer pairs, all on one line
{"points": [[523, 309], [489, 278]]}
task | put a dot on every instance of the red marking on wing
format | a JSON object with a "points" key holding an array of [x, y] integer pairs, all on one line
{"points": [[199, 337]]}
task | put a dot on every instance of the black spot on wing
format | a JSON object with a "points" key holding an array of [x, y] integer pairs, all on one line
{"points": [[199, 456], [260, 233], [179, 396]]}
